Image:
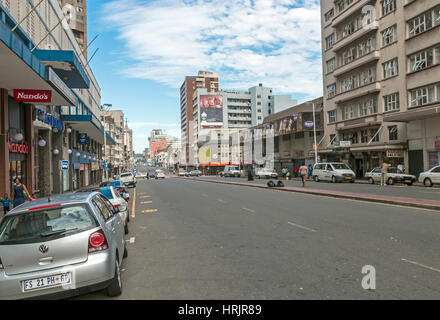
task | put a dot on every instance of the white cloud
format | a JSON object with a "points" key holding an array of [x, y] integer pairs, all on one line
{"points": [[276, 42]]}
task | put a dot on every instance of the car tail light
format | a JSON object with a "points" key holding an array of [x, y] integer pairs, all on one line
{"points": [[97, 241], [1, 264], [116, 206]]}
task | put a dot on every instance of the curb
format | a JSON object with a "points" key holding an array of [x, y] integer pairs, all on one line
{"points": [[414, 203]]}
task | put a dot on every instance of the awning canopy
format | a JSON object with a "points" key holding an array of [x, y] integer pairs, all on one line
{"points": [[90, 125], [67, 67], [21, 69], [414, 114]]}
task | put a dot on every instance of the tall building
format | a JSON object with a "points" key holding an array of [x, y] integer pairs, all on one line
{"points": [[381, 61], [76, 10], [261, 103], [205, 79]]}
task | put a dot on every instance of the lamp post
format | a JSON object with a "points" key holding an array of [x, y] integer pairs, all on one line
{"points": [[314, 135], [105, 138]]}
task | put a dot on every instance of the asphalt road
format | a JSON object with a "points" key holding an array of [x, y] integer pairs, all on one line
{"points": [[215, 241], [397, 190]]}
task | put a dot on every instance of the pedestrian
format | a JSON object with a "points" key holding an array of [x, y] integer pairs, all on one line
{"points": [[384, 172], [288, 175], [401, 168], [19, 193], [6, 203], [310, 170], [250, 177], [283, 173], [296, 171], [304, 172]]}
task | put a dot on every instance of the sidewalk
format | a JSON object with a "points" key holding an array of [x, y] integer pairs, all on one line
{"points": [[407, 202]]}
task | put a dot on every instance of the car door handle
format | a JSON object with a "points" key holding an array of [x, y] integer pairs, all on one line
{"points": [[45, 261]]}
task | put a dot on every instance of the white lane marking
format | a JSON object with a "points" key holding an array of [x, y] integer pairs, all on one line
{"points": [[421, 265], [220, 200], [250, 210], [301, 227], [132, 239]]}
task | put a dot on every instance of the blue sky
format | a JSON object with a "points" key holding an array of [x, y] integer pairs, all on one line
{"points": [[147, 47]]}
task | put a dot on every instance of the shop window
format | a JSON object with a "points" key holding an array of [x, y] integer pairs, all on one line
{"points": [[393, 135]]}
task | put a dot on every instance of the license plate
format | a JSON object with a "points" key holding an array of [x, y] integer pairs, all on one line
{"points": [[347, 178], [47, 282]]}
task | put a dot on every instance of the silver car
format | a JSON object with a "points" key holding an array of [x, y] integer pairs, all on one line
{"points": [[70, 245]]}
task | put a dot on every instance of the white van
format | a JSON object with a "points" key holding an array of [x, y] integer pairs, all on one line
{"points": [[334, 172], [231, 171]]}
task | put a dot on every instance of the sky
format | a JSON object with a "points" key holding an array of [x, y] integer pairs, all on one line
{"points": [[147, 47]]}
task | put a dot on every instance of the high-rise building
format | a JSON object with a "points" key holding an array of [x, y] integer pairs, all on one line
{"points": [[77, 11], [381, 61], [205, 79]]}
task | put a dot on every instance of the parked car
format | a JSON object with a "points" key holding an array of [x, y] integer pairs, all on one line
{"points": [[160, 174], [430, 177], [128, 179], [183, 173], [265, 173], [334, 172], [152, 175], [71, 245], [231, 171], [195, 173], [123, 190], [141, 175], [393, 176]]}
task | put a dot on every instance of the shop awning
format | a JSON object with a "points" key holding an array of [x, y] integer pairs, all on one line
{"points": [[413, 114], [66, 65], [21, 68], [90, 125]]}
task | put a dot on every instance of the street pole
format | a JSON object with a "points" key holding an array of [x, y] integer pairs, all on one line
{"points": [[105, 149], [314, 135]]}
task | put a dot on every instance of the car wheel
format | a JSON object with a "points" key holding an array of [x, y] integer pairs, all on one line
{"points": [[333, 179], [126, 228], [371, 180], [427, 182], [115, 287], [409, 184], [390, 181], [316, 178]]}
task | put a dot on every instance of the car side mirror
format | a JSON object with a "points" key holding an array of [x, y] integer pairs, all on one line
{"points": [[122, 208], [126, 196]]}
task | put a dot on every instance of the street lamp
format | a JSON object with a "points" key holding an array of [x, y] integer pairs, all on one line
{"points": [[105, 138], [314, 134]]}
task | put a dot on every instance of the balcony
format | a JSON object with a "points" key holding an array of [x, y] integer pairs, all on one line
{"points": [[358, 92], [347, 13], [372, 56], [354, 36], [232, 111], [368, 121]]}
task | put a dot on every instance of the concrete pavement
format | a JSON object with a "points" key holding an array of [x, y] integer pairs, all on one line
{"points": [[216, 241]]}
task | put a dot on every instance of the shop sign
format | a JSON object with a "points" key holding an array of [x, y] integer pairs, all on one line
{"points": [[22, 148], [49, 119], [394, 154], [343, 150], [437, 145], [39, 96], [64, 164], [82, 138], [342, 144], [286, 153], [76, 166], [55, 80], [309, 124]]}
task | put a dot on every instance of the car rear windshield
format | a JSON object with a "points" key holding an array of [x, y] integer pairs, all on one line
{"points": [[340, 166], [125, 175], [46, 225], [107, 193], [116, 183], [233, 168]]}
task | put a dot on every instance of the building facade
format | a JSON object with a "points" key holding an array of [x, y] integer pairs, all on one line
{"points": [[380, 66], [76, 11]]}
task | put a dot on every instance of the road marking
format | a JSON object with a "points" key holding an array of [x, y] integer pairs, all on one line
{"points": [[220, 200], [133, 209], [132, 239], [301, 227], [421, 265], [141, 193], [149, 211], [145, 197], [250, 210], [146, 202]]}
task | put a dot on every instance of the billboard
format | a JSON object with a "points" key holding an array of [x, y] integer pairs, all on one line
{"points": [[211, 111]]}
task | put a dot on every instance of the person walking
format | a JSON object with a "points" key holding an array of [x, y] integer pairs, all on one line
{"points": [[304, 173], [384, 172], [6, 203], [19, 192], [250, 176], [296, 171]]}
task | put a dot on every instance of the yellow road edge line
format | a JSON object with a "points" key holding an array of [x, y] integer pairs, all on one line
{"points": [[133, 210]]}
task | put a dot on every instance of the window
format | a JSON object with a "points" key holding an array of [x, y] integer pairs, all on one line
{"points": [[331, 65], [389, 36], [424, 96], [331, 90], [364, 136], [367, 46], [423, 22], [341, 5], [330, 41], [390, 68], [391, 102], [332, 116], [329, 15], [345, 113], [374, 135], [363, 108], [354, 138], [103, 208], [388, 6], [393, 133], [424, 59]]}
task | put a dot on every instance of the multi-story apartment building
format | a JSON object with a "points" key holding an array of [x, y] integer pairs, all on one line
{"points": [[205, 79], [381, 83], [76, 12]]}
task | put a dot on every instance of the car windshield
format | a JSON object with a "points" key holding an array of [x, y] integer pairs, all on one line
{"points": [[340, 166], [233, 168], [45, 225], [107, 192]]}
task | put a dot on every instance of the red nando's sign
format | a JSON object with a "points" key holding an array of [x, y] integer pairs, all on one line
{"points": [[22, 148], [32, 95]]}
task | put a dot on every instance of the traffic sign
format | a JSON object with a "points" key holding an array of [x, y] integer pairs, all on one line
{"points": [[64, 165]]}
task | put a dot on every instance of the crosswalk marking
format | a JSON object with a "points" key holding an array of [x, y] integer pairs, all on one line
{"points": [[149, 211], [146, 202]]}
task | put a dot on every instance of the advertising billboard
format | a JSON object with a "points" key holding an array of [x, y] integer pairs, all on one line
{"points": [[211, 111]]}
